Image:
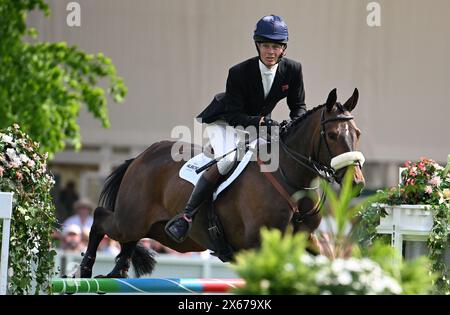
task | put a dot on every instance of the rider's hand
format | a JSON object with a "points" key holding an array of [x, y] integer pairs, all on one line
{"points": [[267, 122]]}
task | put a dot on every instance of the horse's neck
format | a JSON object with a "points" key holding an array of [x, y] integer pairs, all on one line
{"points": [[302, 141]]}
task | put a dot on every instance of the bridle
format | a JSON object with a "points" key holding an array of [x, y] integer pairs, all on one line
{"points": [[324, 171]]}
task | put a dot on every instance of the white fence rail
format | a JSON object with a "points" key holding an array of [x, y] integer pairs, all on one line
{"points": [[5, 215]]}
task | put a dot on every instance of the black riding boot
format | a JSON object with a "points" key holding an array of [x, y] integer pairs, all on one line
{"points": [[179, 227]]}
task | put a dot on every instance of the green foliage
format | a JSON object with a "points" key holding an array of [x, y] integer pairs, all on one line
{"points": [[365, 231], [282, 266], [438, 243], [414, 276], [276, 268], [343, 210], [44, 85], [23, 171]]}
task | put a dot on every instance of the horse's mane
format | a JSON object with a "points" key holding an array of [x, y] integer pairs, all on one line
{"points": [[291, 126]]}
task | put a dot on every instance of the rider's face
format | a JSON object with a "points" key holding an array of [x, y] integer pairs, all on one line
{"points": [[270, 53]]}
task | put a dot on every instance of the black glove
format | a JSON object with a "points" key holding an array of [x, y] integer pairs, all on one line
{"points": [[269, 122]]}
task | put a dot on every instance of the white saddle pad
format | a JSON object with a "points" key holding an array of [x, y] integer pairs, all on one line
{"points": [[187, 171]]}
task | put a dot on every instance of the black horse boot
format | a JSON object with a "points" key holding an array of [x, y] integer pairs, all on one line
{"points": [[179, 227]]}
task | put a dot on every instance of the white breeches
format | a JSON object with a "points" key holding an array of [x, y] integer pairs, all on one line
{"points": [[223, 139]]}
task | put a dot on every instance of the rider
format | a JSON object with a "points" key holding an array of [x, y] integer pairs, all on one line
{"points": [[253, 89]]}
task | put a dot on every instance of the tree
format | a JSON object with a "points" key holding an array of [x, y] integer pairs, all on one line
{"points": [[43, 85]]}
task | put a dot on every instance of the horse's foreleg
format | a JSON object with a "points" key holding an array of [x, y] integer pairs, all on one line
{"points": [[95, 237]]}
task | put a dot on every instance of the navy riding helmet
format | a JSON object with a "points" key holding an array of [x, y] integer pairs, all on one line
{"points": [[271, 28]]}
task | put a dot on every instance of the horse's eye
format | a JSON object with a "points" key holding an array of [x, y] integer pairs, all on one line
{"points": [[332, 135]]}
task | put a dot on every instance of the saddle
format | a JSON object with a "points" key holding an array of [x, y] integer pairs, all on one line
{"points": [[221, 248]]}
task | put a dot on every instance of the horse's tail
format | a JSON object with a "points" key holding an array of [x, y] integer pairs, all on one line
{"points": [[142, 260], [111, 188]]}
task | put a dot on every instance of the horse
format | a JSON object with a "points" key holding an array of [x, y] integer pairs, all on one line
{"points": [[142, 194]]}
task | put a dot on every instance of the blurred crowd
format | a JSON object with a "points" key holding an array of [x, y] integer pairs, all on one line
{"points": [[75, 220]]}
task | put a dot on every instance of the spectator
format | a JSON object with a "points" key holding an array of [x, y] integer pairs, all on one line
{"points": [[82, 217], [72, 239], [109, 246]]}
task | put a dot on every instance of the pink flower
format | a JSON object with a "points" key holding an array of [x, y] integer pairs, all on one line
{"points": [[1, 171], [428, 189], [407, 163], [14, 164], [421, 166], [436, 181], [19, 175]]}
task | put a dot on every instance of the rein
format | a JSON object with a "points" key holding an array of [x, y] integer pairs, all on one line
{"points": [[326, 172]]}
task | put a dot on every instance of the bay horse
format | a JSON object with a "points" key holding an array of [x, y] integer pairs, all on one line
{"points": [[142, 194]]}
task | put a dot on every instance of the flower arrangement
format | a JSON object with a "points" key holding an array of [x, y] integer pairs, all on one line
{"points": [[23, 170], [423, 182], [426, 182]]}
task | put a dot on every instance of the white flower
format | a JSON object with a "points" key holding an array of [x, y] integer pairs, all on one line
{"points": [[344, 278], [24, 158], [307, 259], [352, 264], [321, 260], [323, 277], [357, 285], [337, 266], [11, 153], [31, 163], [7, 139], [367, 264]]}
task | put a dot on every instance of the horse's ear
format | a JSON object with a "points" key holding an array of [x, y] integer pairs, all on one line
{"points": [[331, 100], [351, 102]]}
